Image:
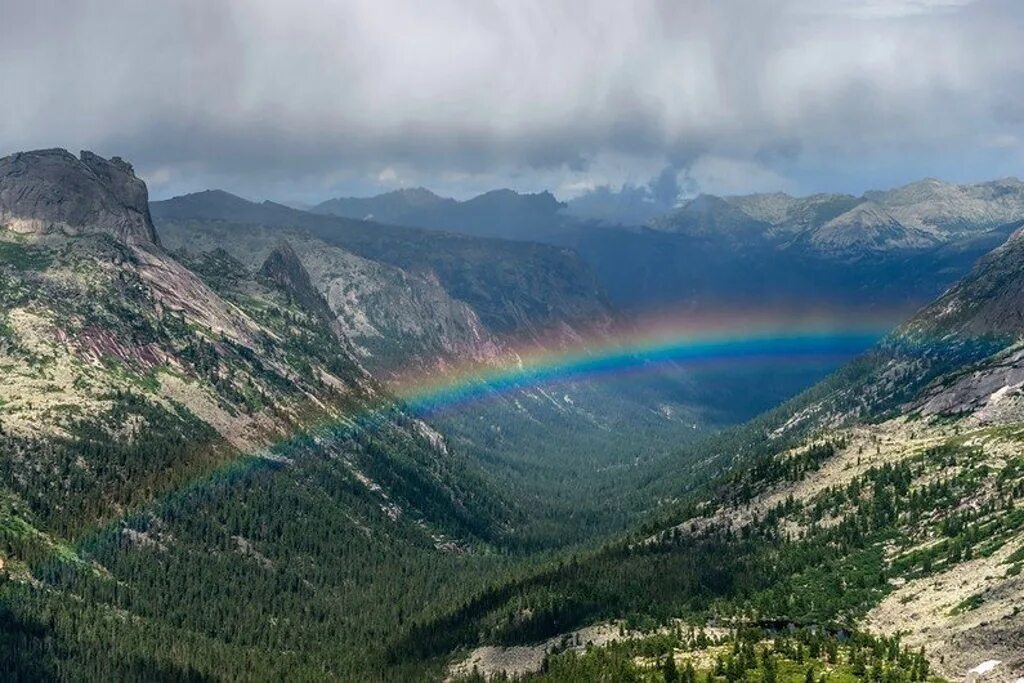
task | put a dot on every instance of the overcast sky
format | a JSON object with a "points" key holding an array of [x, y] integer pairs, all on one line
{"points": [[307, 99]]}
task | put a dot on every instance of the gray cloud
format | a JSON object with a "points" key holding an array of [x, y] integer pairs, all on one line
{"points": [[305, 99]]}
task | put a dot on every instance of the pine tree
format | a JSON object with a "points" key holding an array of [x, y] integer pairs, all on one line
{"points": [[668, 669]]}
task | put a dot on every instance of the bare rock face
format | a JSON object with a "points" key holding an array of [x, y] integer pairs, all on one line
{"points": [[51, 191], [283, 267]]}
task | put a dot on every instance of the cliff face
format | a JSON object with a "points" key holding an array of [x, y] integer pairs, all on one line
{"points": [[283, 267], [52, 191]]}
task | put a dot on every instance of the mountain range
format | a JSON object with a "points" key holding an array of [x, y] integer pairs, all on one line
{"points": [[915, 216], [217, 462], [904, 245], [499, 213]]}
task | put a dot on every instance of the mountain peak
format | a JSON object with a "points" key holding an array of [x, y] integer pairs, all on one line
{"points": [[706, 202], [948, 209], [284, 268], [709, 216], [417, 193], [51, 190], [537, 200]]}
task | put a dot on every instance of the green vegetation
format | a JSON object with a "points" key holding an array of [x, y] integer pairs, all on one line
{"points": [[138, 525], [22, 257], [140, 544], [786, 564], [748, 655]]}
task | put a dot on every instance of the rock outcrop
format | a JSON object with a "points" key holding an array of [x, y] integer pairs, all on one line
{"points": [[51, 191], [284, 268]]}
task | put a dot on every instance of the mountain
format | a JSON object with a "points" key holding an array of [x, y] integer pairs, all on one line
{"points": [[199, 442], [192, 450], [904, 245], [788, 215], [51, 191], [713, 219], [549, 284], [204, 442], [915, 217], [498, 213], [630, 205], [390, 314], [866, 228], [519, 292], [434, 303], [841, 255], [391, 207], [941, 209], [949, 209]]}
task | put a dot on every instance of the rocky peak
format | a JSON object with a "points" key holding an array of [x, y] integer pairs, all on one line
{"points": [[417, 196], [52, 191], [283, 267], [710, 217]]}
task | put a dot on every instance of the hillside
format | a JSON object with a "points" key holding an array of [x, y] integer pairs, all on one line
{"points": [[190, 451], [843, 256], [885, 501], [950, 209], [201, 444], [897, 248], [517, 288]]}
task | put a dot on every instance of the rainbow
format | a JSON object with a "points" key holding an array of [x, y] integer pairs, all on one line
{"points": [[646, 347], [642, 348], [452, 390]]}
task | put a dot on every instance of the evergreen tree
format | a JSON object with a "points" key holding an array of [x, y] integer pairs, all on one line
{"points": [[668, 669]]}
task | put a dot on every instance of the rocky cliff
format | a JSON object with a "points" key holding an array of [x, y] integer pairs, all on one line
{"points": [[52, 191]]}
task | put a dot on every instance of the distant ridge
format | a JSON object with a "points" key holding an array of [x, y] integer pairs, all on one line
{"points": [[499, 213]]}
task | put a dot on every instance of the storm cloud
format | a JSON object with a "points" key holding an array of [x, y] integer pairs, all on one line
{"points": [[308, 99]]}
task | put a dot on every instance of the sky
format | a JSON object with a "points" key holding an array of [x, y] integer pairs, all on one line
{"points": [[304, 100]]}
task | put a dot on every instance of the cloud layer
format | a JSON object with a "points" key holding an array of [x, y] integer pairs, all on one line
{"points": [[306, 99]]}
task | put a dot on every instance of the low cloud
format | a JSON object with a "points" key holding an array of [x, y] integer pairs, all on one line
{"points": [[306, 99]]}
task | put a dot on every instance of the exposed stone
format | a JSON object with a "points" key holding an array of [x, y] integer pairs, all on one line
{"points": [[284, 268], [51, 191]]}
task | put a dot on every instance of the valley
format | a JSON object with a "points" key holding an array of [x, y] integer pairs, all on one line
{"points": [[222, 427], [375, 341]]}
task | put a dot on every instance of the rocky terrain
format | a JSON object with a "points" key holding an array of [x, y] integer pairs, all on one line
{"points": [[916, 217], [418, 304], [212, 396], [51, 191], [391, 315]]}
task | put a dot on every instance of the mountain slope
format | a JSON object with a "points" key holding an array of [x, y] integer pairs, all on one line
{"points": [[887, 499], [191, 452], [549, 285], [713, 219], [949, 210], [866, 228], [792, 215], [391, 207], [50, 191], [843, 256]]}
